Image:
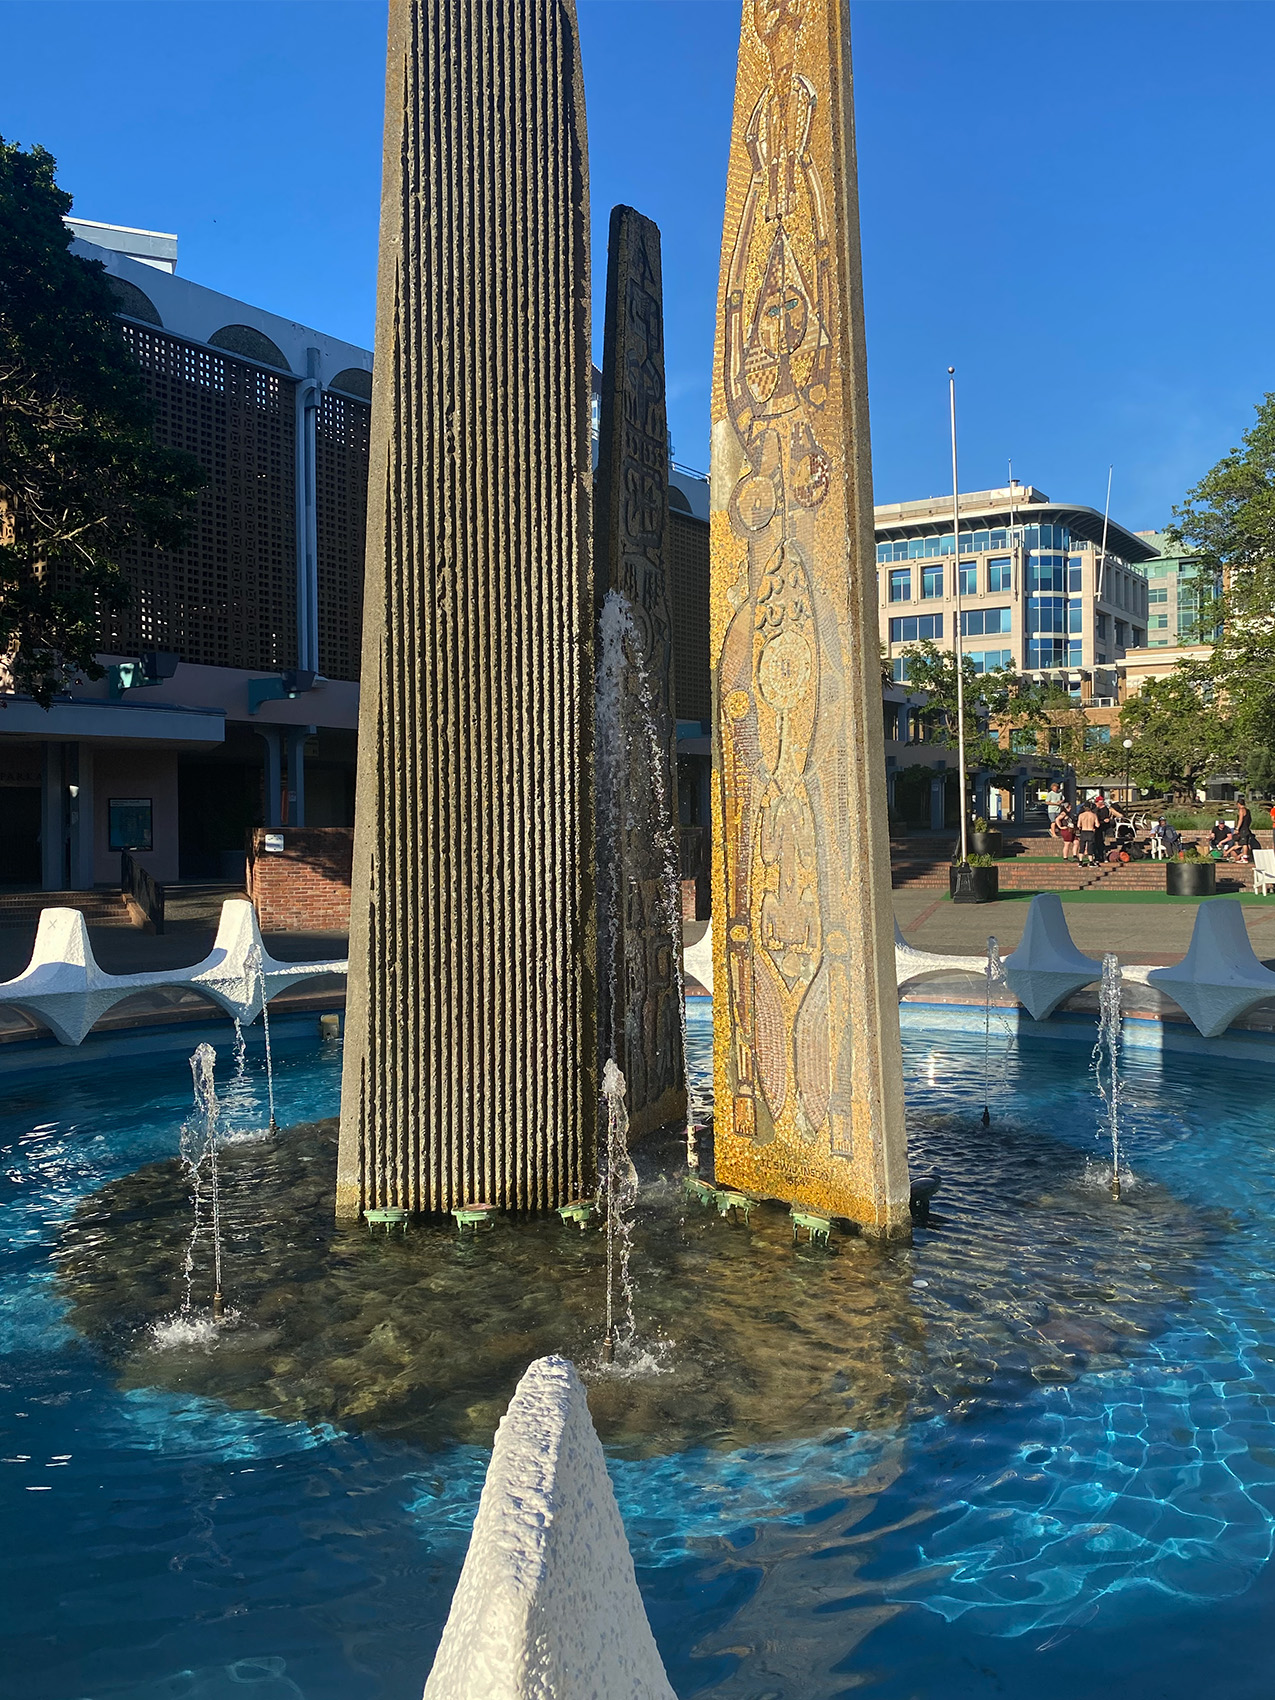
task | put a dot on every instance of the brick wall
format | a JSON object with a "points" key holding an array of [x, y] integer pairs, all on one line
{"points": [[306, 888]]}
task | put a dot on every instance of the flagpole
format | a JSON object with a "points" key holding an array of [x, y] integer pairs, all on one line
{"points": [[956, 636]]}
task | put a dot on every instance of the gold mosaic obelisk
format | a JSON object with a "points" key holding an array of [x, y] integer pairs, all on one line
{"points": [[808, 1072], [639, 890], [470, 1070]]}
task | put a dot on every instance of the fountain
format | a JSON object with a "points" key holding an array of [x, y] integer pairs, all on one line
{"points": [[199, 1144], [994, 977], [1106, 1059], [619, 1190], [257, 967]]}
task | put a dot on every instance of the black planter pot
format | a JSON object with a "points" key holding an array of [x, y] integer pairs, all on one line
{"points": [[1190, 879], [986, 843], [973, 885]]}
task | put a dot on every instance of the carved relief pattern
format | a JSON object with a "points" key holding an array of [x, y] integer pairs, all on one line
{"points": [[782, 625]]}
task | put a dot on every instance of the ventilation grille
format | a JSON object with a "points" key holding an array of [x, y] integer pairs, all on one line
{"points": [[341, 484], [228, 597]]}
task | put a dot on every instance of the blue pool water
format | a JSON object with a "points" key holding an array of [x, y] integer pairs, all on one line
{"points": [[1080, 1497]]}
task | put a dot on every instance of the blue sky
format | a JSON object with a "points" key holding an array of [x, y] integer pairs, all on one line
{"points": [[1072, 203]]}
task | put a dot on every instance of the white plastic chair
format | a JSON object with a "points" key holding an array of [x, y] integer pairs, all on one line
{"points": [[1263, 871], [1047, 967], [1219, 977]]}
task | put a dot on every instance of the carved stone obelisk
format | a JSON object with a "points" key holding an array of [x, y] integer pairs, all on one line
{"points": [[471, 1052], [808, 1073], [639, 887]]}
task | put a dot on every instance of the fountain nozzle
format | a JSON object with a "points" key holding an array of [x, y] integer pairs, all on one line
{"points": [[219, 1307], [608, 1348], [986, 1117]]}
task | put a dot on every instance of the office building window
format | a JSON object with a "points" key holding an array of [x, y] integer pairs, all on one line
{"points": [[1075, 655], [1122, 634], [901, 584], [1159, 593], [987, 660], [998, 575], [985, 622], [1139, 638], [1100, 659], [1075, 573], [931, 582], [1158, 622], [1100, 625], [969, 581], [1075, 617], [1158, 569], [1047, 614], [1096, 736], [914, 628], [1047, 572], [1047, 537], [899, 669], [1047, 652], [1023, 741]]}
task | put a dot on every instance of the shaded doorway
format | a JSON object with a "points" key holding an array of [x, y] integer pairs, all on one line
{"points": [[20, 859]]}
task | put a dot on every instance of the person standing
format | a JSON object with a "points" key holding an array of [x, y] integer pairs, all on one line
{"points": [[1054, 802], [1088, 828], [1103, 813], [1064, 829]]}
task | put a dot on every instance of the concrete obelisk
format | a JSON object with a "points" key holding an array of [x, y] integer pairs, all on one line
{"points": [[808, 1073], [639, 890], [471, 1053]]}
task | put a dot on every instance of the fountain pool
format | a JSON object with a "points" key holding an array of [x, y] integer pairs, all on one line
{"points": [[1035, 1447]]}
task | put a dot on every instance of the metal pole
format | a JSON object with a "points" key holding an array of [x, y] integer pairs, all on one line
{"points": [[956, 636], [1102, 565]]}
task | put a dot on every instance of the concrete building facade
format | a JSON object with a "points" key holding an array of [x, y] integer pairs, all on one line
{"points": [[230, 698]]}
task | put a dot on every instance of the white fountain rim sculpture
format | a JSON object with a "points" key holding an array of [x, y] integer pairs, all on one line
{"points": [[1047, 967], [64, 987], [547, 1606]]}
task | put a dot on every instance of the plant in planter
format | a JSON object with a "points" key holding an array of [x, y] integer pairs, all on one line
{"points": [[974, 881], [985, 840], [1188, 874]]}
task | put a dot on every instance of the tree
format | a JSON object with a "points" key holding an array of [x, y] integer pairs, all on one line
{"points": [[999, 695], [1181, 733], [81, 475], [1228, 519]]}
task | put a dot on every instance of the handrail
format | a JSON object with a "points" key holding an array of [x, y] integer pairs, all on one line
{"points": [[143, 895]]}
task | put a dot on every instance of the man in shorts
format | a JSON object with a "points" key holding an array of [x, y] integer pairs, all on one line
{"points": [[1088, 825]]}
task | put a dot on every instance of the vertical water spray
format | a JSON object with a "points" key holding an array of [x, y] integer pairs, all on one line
{"points": [[995, 974], [258, 967], [199, 1144], [619, 1189], [1106, 1059], [614, 627]]}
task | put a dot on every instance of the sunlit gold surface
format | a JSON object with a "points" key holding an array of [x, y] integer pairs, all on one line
{"points": [[808, 1077]]}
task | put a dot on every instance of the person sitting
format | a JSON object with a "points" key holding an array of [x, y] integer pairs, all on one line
{"points": [[1169, 836], [1219, 836]]}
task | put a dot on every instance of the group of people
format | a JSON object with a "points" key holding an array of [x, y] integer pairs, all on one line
{"points": [[1084, 829]]}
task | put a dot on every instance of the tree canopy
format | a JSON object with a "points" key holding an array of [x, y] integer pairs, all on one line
{"points": [[1181, 734], [999, 695], [1228, 520], [81, 475]]}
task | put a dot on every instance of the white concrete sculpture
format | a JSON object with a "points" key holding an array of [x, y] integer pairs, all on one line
{"points": [[697, 960], [1047, 967], [911, 964], [1220, 977], [547, 1606], [63, 987]]}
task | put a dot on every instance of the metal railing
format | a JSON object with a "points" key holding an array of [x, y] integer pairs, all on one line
{"points": [[143, 895]]}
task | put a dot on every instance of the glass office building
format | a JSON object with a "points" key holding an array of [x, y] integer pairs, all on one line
{"points": [[1036, 592]]}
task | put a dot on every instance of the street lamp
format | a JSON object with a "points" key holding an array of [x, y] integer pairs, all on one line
{"points": [[1128, 795]]}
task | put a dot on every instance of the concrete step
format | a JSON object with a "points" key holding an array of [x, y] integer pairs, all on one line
{"points": [[100, 908]]}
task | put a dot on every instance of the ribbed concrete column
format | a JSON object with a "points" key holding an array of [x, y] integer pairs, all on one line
{"points": [[470, 1052], [639, 887], [808, 1073]]}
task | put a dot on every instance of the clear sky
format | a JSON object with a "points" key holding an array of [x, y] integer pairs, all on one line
{"points": [[1072, 203]]}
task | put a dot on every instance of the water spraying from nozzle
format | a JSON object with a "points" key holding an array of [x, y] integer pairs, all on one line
{"points": [[619, 1189], [1106, 1060], [258, 965]]}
